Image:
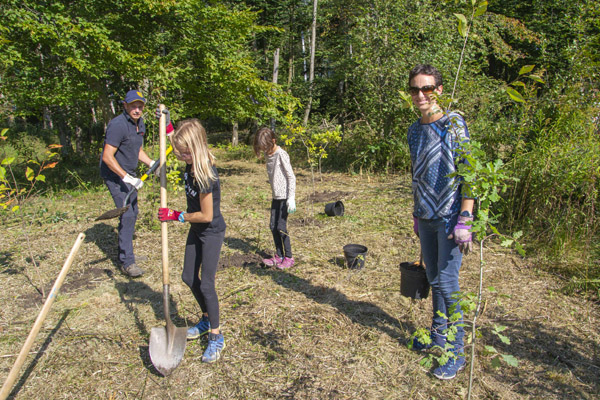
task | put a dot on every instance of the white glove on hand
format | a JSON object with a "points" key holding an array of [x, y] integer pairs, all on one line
{"points": [[157, 170], [291, 204], [135, 182]]}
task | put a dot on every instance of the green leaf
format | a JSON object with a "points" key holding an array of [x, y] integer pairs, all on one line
{"points": [[462, 24], [29, 174], [536, 78], [492, 289], [40, 177], [490, 349], [481, 9], [496, 362], [516, 96], [526, 69], [503, 338], [8, 160], [15, 208], [510, 360]]}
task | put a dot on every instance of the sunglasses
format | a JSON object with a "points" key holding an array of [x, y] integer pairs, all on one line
{"points": [[426, 90]]}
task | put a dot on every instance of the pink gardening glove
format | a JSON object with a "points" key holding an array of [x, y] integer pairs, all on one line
{"points": [[462, 234], [166, 214]]}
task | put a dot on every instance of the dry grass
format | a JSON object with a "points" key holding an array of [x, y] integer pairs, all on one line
{"points": [[317, 331]]}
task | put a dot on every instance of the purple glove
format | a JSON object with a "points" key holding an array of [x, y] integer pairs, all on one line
{"points": [[462, 234], [416, 225]]}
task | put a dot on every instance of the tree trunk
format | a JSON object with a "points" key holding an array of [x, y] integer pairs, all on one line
{"points": [[311, 78], [275, 78], [234, 134]]}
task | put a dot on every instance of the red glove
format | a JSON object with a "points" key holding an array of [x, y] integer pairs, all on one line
{"points": [[166, 214]]}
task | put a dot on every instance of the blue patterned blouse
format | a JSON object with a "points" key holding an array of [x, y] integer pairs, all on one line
{"points": [[432, 152]]}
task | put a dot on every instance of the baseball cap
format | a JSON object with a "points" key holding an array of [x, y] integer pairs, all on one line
{"points": [[134, 95]]}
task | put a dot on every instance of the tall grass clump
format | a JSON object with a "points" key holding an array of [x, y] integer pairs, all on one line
{"points": [[556, 156]]}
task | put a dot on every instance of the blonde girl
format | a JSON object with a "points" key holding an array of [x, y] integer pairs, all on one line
{"points": [[207, 229]]}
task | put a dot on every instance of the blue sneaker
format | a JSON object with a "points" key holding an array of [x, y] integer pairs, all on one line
{"points": [[216, 343], [436, 340], [199, 329], [451, 368]]}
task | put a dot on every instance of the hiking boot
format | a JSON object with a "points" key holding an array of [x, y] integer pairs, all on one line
{"points": [[271, 262], [451, 368], [286, 263], [436, 340], [132, 270], [199, 329], [216, 343]]}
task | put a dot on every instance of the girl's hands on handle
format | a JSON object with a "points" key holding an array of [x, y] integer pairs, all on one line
{"points": [[462, 234], [166, 214], [291, 204]]}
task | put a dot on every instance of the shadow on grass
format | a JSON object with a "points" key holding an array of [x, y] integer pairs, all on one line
{"points": [[555, 351], [133, 292], [361, 312], [38, 355], [104, 236]]}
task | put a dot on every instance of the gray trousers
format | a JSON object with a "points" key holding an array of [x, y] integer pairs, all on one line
{"points": [[118, 190]]}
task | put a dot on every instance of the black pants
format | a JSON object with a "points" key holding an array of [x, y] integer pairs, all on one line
{"points": [[202, 255], [278, 225]]}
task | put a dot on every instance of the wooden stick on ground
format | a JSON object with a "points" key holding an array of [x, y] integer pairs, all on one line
{"points": [[12, 375]]}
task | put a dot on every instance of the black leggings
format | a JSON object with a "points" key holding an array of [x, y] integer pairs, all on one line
{"points": [[202, 254], [278, 225]]}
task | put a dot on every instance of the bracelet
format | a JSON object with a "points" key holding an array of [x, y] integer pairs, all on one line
{"points": [[180, 218]]}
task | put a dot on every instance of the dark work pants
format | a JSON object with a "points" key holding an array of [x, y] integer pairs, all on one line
{"points": [[118, 190], [278, 225], [202, 255]]}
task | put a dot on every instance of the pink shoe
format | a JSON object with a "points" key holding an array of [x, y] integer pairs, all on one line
{"points": [[271, 262], [287, 263]]}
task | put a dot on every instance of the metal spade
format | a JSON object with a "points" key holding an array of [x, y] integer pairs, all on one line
{"points": [[167, 344], [117, 212]]}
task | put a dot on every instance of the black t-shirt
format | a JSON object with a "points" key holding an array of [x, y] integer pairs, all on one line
{"points": [[192, 194], [123, 133]]}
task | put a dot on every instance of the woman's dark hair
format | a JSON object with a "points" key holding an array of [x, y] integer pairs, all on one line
{"points": [[425, 69]]}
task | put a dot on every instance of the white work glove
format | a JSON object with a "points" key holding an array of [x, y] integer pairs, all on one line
{"points": [[135, 182], [157, 170], [291, 204]]}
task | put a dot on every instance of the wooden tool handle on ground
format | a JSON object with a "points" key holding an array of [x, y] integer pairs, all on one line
{"points": [[162, 129], [12, 376]]}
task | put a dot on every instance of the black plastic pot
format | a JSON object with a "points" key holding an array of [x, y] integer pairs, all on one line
{"points": [[355, 255], [334, 209], [413, 281]]}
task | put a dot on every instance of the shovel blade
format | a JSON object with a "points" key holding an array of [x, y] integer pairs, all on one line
{"points": [[114, 213], [167, 345]]}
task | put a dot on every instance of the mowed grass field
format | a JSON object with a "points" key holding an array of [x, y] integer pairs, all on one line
{"points": [[316, 331]]}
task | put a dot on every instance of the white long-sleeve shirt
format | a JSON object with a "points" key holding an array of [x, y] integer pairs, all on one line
{"points": [[281, 175]]}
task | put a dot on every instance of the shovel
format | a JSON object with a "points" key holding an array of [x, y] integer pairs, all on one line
{"points": [[167, 344], [117, 212], [14, 372]]}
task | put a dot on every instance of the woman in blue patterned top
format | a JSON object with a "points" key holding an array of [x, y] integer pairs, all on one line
{"points": [[441, 213]]}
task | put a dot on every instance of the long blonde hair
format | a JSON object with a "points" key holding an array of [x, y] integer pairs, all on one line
{"points": [[191, 135]]}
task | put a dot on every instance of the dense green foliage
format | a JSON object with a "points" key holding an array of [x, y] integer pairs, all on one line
{"points": [[65, 66]]}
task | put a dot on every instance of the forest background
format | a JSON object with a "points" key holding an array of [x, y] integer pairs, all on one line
{"points": [[331, 76]]}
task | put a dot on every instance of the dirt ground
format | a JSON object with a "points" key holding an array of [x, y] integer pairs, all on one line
{"points": [[316, 331]]}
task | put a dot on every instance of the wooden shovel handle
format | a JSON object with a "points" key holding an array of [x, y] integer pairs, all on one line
{"points": [[162, 129], [12, 376]]}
